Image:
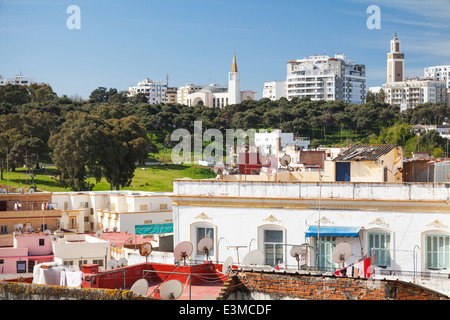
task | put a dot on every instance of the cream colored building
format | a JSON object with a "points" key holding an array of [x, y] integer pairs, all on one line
{"points": [[93, 210]]}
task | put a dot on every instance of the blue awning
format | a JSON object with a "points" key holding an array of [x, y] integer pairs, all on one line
{"points": [[332, 231], [153, 228]]}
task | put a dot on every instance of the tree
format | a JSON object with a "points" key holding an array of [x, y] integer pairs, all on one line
{"points": [[126, 146], [78, 149], [102, 95]]}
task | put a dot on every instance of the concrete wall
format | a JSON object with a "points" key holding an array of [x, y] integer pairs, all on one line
{"points": [[332, 190]]}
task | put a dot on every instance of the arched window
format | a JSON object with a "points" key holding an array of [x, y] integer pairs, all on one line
{"points": [[379, 243], [271, 243], [199, 231]]}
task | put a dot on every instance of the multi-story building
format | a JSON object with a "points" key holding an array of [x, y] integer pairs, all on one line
{"points": [[274, 90], [171, 95], [183, 92], [155, 91], [17, 80], [320, 77], [411, 92], [439, 73]]}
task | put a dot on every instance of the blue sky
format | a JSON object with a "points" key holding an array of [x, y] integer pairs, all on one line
{"points": [[123, 42]]}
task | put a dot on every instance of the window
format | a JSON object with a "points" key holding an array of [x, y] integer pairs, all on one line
{"points": [[83, 204], [3, 229], [143, 207], [273, 247], [380, 245], [41, 242], [44, 226], [203, 232], [324, 257], [99, 261], [21, 266], [437, 252], [163, 206]]}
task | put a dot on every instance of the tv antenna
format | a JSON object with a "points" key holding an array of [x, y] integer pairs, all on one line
{"points": [[145, 249], [237, 250], [171, 290], [205, 245], [140, 287], [254, 257], [183, 250], [342, 252]]}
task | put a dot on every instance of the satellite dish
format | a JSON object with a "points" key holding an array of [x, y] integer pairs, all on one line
{"points": [[183, 250], [106, 229], [19, 190], [205, 245], [54, 237], [99, 233], [218, 168], [112, 264], [28, 226], [31, 190], [171, 290], [285, 160], [297, 252], [140, 287], [123, 262], [145, 249], [342, 252], [226, 267], [113, 245], [5, 190], [115, 229], [254, 257], [46, 231], [18, 227], [130, 240]]}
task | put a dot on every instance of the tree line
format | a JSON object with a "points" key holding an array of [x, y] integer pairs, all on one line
{"points": [[109, 134]]}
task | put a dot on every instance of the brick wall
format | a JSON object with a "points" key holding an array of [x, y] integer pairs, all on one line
{"points": [[278, 286]]}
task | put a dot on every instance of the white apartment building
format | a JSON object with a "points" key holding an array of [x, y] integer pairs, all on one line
{"points": [[321, 77], [155, 91], [439, 73], [17, 80], [274, 90], [93, 210], [412, 92], [183, 92]]}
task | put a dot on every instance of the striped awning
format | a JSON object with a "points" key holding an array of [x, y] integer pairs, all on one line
{"points": [[332, 231]]}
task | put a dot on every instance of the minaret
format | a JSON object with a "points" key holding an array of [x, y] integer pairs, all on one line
{"points": [[234, 84], [395, 62]]}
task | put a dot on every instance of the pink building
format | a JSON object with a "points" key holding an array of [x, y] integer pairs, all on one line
{"points": [[27, 250]]}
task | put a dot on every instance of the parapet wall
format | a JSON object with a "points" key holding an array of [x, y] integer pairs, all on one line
{"points": [[281, 286], [314, 190]]}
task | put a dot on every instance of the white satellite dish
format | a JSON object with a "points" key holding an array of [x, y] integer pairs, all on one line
{"points": [[297, 252], [99, 233], [112, 264], [183, 250], [106, 229], [171, 290], [285, 160], [19, 190], [54, 237], [5, 190], [123, 262], [341, 252], [227, 265], [18, 227], [46, 231], [205, 245], [28, 226], [218, 168], [115, 229], [31, 190], [254, 257], [140, 287]]}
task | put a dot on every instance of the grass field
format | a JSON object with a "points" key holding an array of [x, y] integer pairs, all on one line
{"points": [[153, 177]]}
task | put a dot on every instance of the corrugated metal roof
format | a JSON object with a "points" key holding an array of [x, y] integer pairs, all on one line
{"points": [[360, 152]]}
